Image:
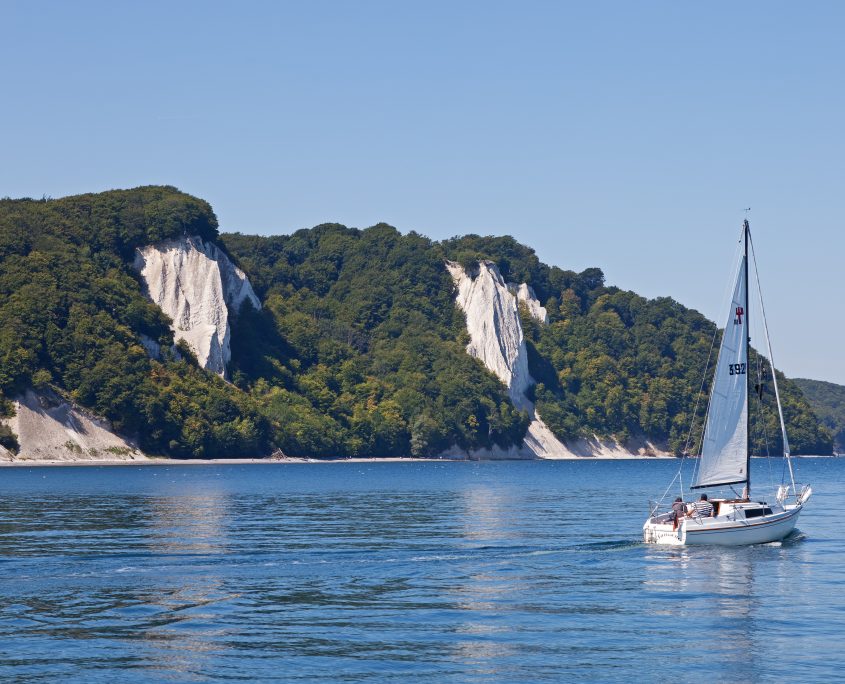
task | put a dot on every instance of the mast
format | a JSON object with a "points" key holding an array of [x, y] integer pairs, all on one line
{"points": [[746, 230]]}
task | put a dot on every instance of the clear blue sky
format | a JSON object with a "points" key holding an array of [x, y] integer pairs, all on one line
{"points": [[623, 135]]}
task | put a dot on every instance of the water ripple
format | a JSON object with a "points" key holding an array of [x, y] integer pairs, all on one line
{"points": [[383, 572]]}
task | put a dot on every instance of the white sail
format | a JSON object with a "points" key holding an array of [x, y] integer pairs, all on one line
{"points": [[724, 450]]}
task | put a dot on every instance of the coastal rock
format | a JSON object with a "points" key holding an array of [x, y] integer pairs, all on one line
{"points": [[525, 294], [49, 428], [495, 330], [496, 338], [198, 286]]}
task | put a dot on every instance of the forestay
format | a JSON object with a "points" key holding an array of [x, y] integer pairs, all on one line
{"points": [[724, 451]]}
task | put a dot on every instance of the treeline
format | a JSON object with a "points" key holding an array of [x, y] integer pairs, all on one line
{"points": [[828, 401]]}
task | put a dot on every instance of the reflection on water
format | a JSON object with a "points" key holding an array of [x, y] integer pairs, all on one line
{"points": [[482, 643], [726, 599], [437, 572], [183, 634], [189, 523], [712, 599]]}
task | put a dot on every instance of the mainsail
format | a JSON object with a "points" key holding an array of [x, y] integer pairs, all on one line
{"points": [[724, 452]]}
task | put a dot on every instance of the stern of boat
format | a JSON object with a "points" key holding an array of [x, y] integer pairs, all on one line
{"points": [[660, 529]]}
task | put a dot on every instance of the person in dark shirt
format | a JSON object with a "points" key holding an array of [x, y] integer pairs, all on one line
{"points": [[678, 510]]}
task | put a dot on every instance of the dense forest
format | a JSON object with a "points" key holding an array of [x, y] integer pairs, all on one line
{"points": [[358, 349], [828, 401]]}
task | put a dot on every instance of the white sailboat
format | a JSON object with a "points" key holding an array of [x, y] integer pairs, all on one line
{"points": [[725, 459]]}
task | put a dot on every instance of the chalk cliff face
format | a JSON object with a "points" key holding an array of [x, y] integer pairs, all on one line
{"points": [[493, 324], [199, 287], [525, 294], [50, 429], [497, 339]]}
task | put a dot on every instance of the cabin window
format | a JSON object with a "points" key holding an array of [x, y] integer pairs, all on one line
{"points": [[757, 512]]}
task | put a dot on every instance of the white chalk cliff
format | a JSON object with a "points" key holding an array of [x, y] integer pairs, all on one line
{"points": [[496, 338], [494, 327], [51, 429], [197, 285], [525, 294]]}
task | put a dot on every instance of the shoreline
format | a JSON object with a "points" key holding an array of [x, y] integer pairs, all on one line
{"points": [[146, 462], [151, 462]]}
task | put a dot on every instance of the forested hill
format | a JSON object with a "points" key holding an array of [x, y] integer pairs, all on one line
{"points": [[610, 362], [828, 401], [358, 348]]}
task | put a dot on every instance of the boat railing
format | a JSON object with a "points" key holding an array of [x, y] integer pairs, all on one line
{"points": [[800, 492], [806, 493]]}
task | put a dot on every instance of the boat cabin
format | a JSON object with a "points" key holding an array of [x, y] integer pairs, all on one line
{"points": [[740, 509]]}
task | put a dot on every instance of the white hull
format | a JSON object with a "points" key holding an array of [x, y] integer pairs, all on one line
{"points": [[723, 530]]}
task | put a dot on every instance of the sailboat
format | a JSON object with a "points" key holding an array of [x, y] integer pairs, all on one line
{"points": [[725, 457]]}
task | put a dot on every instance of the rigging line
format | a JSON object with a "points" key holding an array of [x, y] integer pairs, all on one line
{"points": [[677, 475], [772, 362], [681, 477], [698, 401], [761, 423]]}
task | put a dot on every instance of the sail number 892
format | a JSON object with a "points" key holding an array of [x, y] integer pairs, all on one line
{"points": [[736, 369]]}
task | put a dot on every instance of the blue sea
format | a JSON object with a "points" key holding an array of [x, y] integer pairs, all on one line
{"points": [[395, 572]]}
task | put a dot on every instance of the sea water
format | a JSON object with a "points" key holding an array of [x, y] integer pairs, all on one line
{"points": [[424, 572]]}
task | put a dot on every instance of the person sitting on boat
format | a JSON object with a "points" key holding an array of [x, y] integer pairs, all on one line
{"points": [[679, 508], [702, 508]]}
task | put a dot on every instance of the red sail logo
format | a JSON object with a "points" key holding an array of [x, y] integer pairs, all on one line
{"points": [[739, 313]]}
